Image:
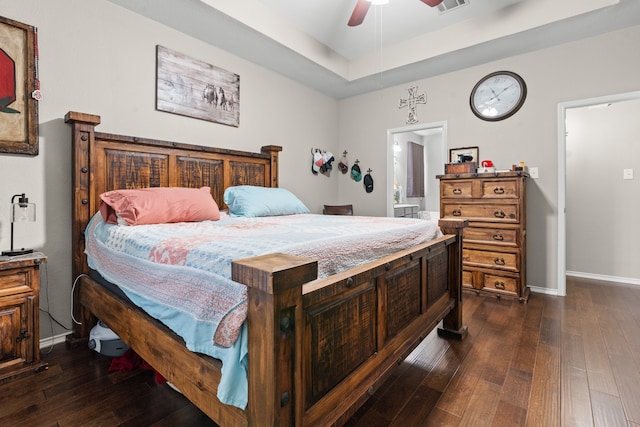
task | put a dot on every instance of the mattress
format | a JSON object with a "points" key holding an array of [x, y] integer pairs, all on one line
{"points": [[181, 273]]}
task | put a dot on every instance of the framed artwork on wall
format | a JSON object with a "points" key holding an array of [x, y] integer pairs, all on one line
{"points": [[19, 88], [193, 88], [464, 154]]}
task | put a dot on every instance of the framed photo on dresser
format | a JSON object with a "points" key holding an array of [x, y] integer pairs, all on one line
{"points": [[464, 154]]}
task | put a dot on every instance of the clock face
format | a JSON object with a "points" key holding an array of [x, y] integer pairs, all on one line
{"points": [[498, 96]]}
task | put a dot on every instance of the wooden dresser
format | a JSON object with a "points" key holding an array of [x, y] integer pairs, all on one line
{"points": [[494, 257], [19, 320]]}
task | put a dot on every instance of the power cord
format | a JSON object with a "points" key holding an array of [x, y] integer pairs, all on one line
{"points": [[52, 319]]}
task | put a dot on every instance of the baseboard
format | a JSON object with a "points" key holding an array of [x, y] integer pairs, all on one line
{"points": [[541, 290], [616, 279], [51, 341]]}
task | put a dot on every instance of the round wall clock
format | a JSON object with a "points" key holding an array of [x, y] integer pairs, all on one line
{"points": [[498, 96]]}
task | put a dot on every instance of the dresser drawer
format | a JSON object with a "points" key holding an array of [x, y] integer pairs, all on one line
{"points": [[493, 236], [490, 212], [457, 189], [500, 188], [15, 282], [491, 259], [498, 283]]}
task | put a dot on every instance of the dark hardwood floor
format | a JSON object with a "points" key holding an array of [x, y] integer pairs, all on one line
{"points": [[572, 361]]}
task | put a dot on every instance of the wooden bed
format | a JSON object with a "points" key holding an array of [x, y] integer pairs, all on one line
{"points": [[317, 348]]}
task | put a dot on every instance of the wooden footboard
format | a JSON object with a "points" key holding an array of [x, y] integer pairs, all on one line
{"points": [[330, 343], [318, 348]]}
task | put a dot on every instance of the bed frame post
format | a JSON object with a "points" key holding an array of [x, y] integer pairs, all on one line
{"points": [[83, 127], [452, 326], [275, 357], [272, 150]]}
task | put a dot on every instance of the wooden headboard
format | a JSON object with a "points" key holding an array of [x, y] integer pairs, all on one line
{"points": [[104, 162]]}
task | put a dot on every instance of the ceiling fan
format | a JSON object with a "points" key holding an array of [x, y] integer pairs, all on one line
{"points": [[362, 7]]}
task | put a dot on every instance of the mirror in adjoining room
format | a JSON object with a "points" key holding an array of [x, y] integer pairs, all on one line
{"points": [[417, 155]]}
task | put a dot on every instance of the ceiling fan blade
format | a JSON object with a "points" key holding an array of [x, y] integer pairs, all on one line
{"points": [[359, 12], [432, 3]]}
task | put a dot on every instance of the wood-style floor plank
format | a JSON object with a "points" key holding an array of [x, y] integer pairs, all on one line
{"points": [[570, 361], [607, 410]]}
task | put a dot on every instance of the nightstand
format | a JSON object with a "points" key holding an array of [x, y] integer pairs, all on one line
{"points": [[19, 315]]}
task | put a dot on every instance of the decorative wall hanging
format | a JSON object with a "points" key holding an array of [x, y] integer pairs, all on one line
{"points": [[19, 88], [356, 173], [343, 164], [321, 161], [368, 181], [411, 103], [193, 88]]}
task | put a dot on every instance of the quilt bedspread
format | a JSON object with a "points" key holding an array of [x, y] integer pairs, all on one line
{"points": [[181, 273]]}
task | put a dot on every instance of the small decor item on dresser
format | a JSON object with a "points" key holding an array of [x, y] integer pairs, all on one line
{"points": [[455, 168], [464, 154], [486, 166], [462, 160]]}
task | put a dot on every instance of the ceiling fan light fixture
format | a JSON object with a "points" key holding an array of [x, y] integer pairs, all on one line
{"points": [[378, 2]]}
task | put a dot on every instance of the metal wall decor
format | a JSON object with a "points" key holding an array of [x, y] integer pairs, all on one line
{"points": [[411, 102]]}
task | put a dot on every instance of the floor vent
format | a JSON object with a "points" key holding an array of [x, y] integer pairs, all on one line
{"points": [[449, 5]]}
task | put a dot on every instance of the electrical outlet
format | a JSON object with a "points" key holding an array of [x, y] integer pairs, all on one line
{"points": [[627, 173], [533, 173]]}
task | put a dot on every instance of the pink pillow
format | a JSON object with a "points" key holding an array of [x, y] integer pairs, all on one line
{"points": [[158, 205]]}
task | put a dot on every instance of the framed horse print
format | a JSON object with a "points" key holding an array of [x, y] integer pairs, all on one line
{"points": [[193, 88]]}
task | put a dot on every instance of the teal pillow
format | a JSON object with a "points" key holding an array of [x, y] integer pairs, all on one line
{"points": [[251, 201]]}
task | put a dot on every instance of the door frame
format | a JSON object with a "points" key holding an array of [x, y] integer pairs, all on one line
{"points": [[562, 174], [390, 140]]}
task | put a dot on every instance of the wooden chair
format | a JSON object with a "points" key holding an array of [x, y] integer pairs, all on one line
{"points": [[338, 210]]}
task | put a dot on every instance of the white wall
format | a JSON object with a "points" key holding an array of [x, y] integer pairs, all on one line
{"points": [[589, 68], [99, 58]]}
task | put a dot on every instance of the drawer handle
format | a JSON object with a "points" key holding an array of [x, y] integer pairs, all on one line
{"points": [[498, 236], [498, 190], [499, 285], [499, 214], [499, 261], [23, 335], [457, 212], [457, 191]]}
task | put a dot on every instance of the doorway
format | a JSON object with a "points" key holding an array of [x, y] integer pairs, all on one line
{"points": [[563, 108], [433, 136]]}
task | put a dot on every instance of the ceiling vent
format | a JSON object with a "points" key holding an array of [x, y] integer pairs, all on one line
{"points": [[449, 5]]}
